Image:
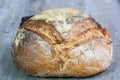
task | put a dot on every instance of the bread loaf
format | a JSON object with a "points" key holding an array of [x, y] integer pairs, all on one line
{"points": [[61, 42]]}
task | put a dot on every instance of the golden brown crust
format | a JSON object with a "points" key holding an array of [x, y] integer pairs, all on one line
{"points": [[43, 29], [41, 50], [85, 28], [31, 58]]}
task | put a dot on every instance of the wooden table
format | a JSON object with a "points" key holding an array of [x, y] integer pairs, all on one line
{"points": [[106, 12]]}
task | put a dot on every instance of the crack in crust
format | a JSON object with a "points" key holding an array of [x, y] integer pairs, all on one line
{"points": [[80, 33], [46, 31]]}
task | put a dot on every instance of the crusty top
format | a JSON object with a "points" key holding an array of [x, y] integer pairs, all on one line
{"points": [[52, 27]]}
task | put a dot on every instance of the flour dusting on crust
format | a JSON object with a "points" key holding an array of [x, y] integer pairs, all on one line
{"points": [[23, 33], [62, 19]]}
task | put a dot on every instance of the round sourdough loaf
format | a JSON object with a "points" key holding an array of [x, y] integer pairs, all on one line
{"points": [[61, 42]]}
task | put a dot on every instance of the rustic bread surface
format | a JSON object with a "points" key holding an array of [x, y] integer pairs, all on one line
{"points": [[62, 43]]}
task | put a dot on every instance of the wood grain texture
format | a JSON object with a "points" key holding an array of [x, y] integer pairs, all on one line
{"points": [[106, 12]]}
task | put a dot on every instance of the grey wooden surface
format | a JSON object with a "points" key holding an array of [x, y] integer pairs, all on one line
{"points": [[106, 12]]}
